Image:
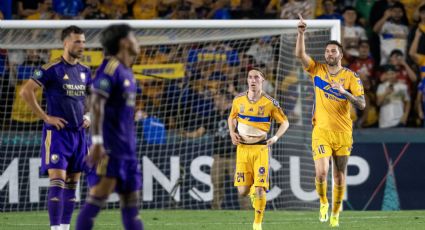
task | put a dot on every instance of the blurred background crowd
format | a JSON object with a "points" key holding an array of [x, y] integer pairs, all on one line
{"points": [[383, 42]]}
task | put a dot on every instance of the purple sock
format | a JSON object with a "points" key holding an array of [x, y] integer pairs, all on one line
{"points": [[54, 203], [85, 220], [131, 219], [68, 202]]}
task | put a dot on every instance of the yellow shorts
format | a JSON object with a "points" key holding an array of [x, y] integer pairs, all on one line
{"points": [[252, 166], [327, 143]]}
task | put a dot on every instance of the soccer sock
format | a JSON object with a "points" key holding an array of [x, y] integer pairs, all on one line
{"points": [[338, 195], [131, 219], [64, 227], [54, 203], [260, 207], [68, 203], [85, 220], [321, 188]]}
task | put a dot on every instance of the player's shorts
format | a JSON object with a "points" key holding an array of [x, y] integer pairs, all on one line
{"points": [[63, 149], [127, 173], [252, 166], [327, 143]]}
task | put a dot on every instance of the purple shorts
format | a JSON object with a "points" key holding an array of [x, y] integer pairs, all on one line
{"points": [[63, 149], [127, 173]]}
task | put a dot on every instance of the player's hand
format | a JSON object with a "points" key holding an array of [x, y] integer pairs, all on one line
{"points": [[388, 13], [271, 140], [338, 87], [236, 139], [58, 122], [96, 154], [86, 123], [302, 26]]}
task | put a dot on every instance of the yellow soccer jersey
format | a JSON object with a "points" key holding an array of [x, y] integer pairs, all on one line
{"points": [[257, 115], [331, 109], [421, 63]]}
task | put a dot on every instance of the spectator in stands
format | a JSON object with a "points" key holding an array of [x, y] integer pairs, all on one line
{"points": [[420, 101], [262, 52], [404, 72], [292, 8], [419, 59], [351, 33], [410, 6], [149, 9], [5, 9], [376, 13], [45, 12], [421, 26], [92, 10], [364, 64], [245, 10], [363, 8], [273, 8], [219, 9], [392, 30], [26, 8], [68, 9], [393, 100], [329, 11]]}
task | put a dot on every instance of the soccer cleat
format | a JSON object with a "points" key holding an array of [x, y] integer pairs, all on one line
{"points": [[334, 221], [324, 212], [257, 226]]}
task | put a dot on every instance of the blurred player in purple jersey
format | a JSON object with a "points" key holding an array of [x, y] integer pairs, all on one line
{"points": [[65, 81], [112, 160]]}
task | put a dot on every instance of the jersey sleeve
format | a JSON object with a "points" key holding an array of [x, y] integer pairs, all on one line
{"points": [[356, 85], [41, 76], [277, 113], [312, 67], [421, 85], [102, 84], [234, 111]]}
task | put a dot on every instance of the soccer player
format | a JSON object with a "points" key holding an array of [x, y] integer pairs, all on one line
{"points": [[112, 158], [249, 122], [65, 81], [335, 88]]}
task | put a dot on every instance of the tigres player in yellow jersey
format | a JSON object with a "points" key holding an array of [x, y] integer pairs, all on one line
{"points": [[336, 88], [249, 122]]}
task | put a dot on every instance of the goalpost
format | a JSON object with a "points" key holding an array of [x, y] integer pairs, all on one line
{"points": [[184, 69]]}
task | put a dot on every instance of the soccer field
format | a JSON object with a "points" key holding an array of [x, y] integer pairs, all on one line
{"points": [[231, 220]]}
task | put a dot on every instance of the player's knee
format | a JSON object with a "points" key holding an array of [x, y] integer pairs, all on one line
{"points": [[96, 201], [129, 200], [339, 178], [321, 175], [260, 191]]}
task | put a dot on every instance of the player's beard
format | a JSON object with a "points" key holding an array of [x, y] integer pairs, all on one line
{"points": [[75, 55], [332, 61]]}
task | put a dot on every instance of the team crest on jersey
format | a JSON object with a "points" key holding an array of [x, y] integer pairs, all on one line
{"points": [[38, 74], [83, 77], [126, 83], [242, 108], [66, 77], [54, 158], [251, 109], [104, 84], [261, 170], [261, 110]]}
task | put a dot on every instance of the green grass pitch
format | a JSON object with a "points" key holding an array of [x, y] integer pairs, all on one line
{"points": [[230, 220]]}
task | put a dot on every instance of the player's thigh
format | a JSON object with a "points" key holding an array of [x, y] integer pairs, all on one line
{"points": [[129, 176], [321, 166], [261, 155], [344, 144], [57, 174], [104, 187], [76, 163], [244, 190], [243, 172], [54, 150], [130, 199], [320, 144]]}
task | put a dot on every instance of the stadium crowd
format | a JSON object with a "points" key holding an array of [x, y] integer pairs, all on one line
{"points": [[383, 41]]}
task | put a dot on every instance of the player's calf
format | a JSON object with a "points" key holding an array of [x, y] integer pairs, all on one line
{"points": [[54, 203], [129, 204], [88, 213]]}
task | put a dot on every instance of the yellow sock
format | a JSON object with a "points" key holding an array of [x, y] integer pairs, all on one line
{"points": [[322, 188], [260, 207], [338, 196]]}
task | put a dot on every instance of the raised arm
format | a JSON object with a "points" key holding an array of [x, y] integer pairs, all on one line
{"points": [[413, 51], [300, 46], [378, 26]]}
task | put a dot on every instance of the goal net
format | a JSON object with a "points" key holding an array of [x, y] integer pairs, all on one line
{"points": [[188, 73]]}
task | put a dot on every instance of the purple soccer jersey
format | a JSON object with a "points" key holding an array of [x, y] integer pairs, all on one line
{"points": [[65, 88], [116, 83]]}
